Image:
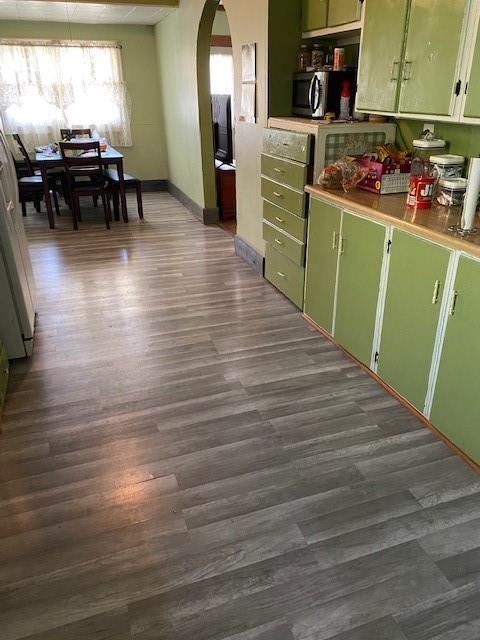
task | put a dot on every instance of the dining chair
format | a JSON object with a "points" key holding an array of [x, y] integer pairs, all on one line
{"points": [[30, 187], [114, 191], [68, 134], [84, 170]]}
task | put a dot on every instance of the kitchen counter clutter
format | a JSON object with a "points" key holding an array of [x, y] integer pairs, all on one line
{"points": [[400, 293]]}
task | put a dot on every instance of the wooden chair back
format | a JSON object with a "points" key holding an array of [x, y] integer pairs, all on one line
{"points": [[24, 153], [82, 159], [68, 134]]}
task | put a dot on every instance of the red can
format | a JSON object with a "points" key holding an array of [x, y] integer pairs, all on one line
{"points": [[420, 192]]}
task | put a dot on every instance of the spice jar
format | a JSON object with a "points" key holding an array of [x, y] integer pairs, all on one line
{"points": [[304, 61]]}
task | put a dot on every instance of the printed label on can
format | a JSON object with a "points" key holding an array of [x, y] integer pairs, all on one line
{"points": [[420, 192]]}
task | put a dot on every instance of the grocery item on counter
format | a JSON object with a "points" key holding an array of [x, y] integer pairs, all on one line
{"points": [[451, 191], [448, 165], [318, 57], [421, 185], [345, 96], [304, 59], [388, 170], [344, 174], [338, 59]]}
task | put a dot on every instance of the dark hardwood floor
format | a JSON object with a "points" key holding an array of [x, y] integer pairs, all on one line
{"points": [[185, 459]]}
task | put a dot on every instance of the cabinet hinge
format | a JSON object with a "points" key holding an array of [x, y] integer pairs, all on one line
{"points": [[376, 356], [466, 88], [389, 246], [458, 86]]}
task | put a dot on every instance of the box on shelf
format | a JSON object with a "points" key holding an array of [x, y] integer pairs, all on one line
{"points": [[385, 177]]}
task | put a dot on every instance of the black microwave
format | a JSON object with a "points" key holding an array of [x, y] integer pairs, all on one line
{"points": [[316, 93]]}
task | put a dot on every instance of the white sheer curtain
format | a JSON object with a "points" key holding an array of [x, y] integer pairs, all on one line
{"points": [[46, 85], [221, 71]]}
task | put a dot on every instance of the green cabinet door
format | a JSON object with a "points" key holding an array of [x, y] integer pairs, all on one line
{"points": [[432, 49], [472, 103], [381, 54], [322, 255], [343, 12], [362, 250], [456, 403], [314, 14], [415, 289]]}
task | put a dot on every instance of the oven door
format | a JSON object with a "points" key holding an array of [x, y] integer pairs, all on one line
{"points": [[301, 94]]}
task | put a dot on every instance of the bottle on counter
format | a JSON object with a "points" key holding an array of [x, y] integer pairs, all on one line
{"points": [[422, 184], [345, 101], [304, 60]]}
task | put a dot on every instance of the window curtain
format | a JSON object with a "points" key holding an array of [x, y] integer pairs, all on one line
{"points": [[221, 71], [45, 86]]}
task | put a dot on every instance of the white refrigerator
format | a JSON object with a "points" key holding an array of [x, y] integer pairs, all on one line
{"points": [[17, 285]]}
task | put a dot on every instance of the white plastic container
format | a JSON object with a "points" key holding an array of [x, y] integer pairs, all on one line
{"points": [[448, 165], [451, 191]]}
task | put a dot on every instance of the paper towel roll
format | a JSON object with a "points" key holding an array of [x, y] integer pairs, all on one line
{"points": [[471, 196]]}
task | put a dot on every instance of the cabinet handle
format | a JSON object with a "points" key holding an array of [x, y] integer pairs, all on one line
{"points": [[286, 144], [342, 245], [407, 67], [436, 291], [279, 242], [279, 273], [453, 304], [334, 240], [277, 195], [277, 170], [395, 70], [280, 220]]}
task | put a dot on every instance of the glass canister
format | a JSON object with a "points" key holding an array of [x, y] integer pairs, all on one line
{"points": [[424, 148], [451, 191], [304, 61], [318, 57], [448, 165]]}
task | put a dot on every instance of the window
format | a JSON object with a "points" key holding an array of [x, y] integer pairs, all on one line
{"points": [[221, 71], [48, 85]]}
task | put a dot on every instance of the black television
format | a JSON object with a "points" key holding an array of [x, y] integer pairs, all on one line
{"points": [[222, 127]]}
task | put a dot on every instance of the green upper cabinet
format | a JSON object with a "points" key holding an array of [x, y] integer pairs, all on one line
{"points": [[456, 405], [321, 272], [343, 11], [432, 52], [472, 98], [314, 14], [362, 251], [381, 54], [415, 288]]}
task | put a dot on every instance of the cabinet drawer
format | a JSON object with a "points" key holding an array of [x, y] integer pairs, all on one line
{"points": [[284, 243], [293, 174], [284, 220], [284, 197], [287, 144], [287, 276]]}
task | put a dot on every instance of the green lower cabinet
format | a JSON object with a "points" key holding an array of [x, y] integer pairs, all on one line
{"points": [[456, 403], [415, 289], [343, 12], [284, 243], [362, 251], [4, 369], [284, 197], [322, 256], [285, 275]]}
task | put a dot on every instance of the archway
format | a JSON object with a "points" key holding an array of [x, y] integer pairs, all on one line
{"points": [[204, 103]]}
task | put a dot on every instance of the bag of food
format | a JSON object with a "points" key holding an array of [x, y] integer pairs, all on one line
{"points": [[345, 174]]}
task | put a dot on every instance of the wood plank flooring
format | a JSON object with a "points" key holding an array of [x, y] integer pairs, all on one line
{"points": [[185, 459]]}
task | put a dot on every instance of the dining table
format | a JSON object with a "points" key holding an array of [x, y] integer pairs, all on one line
{"points": [[47, 159]]}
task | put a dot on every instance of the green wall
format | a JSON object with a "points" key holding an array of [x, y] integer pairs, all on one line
{"points": [[463, 139], [177, 37], [147, 158], [220, 24]]}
